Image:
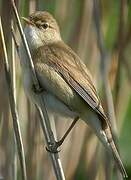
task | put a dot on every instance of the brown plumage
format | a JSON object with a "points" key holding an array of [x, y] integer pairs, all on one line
{"points": [[65, 79]]}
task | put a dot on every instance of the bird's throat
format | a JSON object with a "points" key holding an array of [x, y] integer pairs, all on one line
{"points": [[32, 36]]}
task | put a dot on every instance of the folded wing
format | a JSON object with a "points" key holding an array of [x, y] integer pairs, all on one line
{"points": [[69, 66]]}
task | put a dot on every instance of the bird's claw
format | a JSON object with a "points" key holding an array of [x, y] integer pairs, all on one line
{"points": [[54, 151], [36, 89], [53, 148]]}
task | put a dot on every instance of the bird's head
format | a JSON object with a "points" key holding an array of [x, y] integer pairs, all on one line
{"points": [[41, 28]]}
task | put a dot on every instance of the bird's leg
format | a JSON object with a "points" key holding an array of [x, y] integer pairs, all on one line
{"points": [[60, 142]]}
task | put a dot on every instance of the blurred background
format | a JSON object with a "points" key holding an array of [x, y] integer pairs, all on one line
{"points": [[100, 32]]}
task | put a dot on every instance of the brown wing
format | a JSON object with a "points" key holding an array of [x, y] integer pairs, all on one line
{"points": [[74, 72]]}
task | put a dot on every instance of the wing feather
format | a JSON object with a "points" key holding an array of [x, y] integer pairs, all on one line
{"points": [[73, 71]]}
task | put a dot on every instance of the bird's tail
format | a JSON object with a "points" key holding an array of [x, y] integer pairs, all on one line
{"points": [[112, 147], [105, 135]]}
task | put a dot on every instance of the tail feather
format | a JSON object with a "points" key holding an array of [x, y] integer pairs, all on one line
{"points": [[103, 131], [115, 152]]}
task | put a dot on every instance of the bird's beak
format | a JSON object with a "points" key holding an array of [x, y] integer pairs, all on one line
{"points": [[27, 21]]}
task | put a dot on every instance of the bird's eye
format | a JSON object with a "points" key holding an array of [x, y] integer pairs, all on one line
{"points": [[45, 25]]}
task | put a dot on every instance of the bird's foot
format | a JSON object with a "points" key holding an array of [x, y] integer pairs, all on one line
{"points": [[53, 147], [37, 89]]}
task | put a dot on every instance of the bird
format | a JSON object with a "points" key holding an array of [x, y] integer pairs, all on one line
{"points": [[67, 84]]}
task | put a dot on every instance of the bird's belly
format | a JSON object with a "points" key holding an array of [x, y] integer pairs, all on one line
{"points": [[53, 103], [56, 106]]}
